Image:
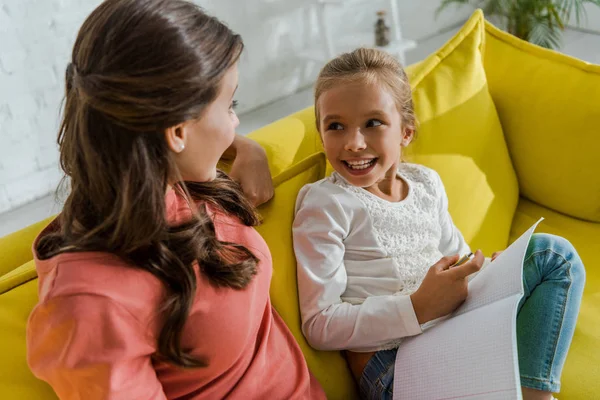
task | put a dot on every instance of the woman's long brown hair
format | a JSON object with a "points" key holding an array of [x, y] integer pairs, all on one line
{"points": [[139, 67]]}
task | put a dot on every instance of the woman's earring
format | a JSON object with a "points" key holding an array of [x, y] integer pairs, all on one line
{"points": [[181, 147]]}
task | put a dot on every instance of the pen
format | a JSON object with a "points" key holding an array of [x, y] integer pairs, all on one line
{"points": [[462, 260]]}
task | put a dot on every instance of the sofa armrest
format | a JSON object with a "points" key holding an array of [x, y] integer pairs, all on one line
{"points": [[15, 248]]}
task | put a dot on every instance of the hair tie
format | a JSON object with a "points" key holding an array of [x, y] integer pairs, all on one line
{"points": [[70, 73]]}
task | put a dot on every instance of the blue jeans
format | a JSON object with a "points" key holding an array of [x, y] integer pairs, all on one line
{"points": [[553, 280]]}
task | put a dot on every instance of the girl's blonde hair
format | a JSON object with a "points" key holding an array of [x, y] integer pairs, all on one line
{"points": [[369, 66]]}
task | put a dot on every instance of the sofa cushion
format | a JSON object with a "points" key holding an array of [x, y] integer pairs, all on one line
{"points": [[15, 248], [17, 276], [460, 136], [582, 369], [278, 214], [289, 140], [548, 104], [16, 380]]}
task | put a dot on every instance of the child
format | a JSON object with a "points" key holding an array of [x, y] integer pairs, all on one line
{"points": [[375, 242]]}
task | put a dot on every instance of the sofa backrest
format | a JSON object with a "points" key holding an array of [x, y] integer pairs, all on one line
{"points": [[549, 107], [289, 140], [15, 248]]}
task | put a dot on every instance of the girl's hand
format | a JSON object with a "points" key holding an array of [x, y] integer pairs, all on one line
{"points": [[444, 287], [250, 168], [496, 254]]}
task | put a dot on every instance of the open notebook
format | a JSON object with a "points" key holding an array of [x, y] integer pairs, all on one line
{"points": [[473, 353]]}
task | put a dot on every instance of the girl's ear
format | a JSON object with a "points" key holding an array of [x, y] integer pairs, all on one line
{"points": [[176, 137], [407, 136]]}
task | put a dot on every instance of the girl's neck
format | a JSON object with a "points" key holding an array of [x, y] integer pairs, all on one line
{"points": [[391, 187]]}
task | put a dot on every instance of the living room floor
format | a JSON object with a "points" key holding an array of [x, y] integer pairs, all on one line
{"points": [[580, 44]]}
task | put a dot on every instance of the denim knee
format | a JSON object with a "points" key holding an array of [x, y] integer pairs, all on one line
{"points": [[561, 247]]}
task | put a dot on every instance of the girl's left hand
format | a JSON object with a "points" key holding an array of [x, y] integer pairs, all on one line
{"points": [[496, 254], [251, 169]]}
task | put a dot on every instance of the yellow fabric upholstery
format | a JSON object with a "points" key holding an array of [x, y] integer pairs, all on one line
{"points": [[461, 138], [580, 379], [289, 140], [328, 367], [549, 106], [18, 246], [17, 276], [16, 380]]}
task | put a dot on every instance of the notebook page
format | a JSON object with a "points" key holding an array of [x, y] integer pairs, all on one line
{"points": [[471, 356], [503, 277]]}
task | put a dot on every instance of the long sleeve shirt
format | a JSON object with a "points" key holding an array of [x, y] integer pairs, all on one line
{"points": [[360, 258]]}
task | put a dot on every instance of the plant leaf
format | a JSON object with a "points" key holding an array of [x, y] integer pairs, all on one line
{"points": [[573, 6], [554, 14], [539, 21], [498, 7], [446, 3], [544, 33]]}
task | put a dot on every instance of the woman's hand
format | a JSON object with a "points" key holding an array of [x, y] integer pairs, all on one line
{"points": [[496, 254], [250, 168], [444, 287]]}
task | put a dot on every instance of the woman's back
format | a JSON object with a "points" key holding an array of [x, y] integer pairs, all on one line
{"points": [[96, 327]]}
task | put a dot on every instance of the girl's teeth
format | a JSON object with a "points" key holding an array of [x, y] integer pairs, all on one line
{"points": [[360, 164]]}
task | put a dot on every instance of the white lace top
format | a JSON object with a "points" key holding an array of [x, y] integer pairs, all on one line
{"points": [[360, 257]]}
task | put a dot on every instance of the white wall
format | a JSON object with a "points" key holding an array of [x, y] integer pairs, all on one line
{"points": [[35, 40], [35, 43], [592, 20], [419, 19], [275, 30]]}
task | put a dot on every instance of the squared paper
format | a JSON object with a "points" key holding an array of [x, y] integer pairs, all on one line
{"points": [[473, 353]]}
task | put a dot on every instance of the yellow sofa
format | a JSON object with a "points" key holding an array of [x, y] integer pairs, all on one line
{"points": [[511, 128]]}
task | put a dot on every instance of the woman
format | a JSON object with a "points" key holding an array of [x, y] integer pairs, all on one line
{"points": [[149, 287]]}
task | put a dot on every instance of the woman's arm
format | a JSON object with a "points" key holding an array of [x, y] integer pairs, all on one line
{"points": [[250, 168], [328, 322], [89, 347]]}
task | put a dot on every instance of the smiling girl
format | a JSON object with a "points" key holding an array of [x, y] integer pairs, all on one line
{"points": [[375, 241]]}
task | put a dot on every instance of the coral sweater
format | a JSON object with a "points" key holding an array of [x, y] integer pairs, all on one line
{"points": [[94, 331]]}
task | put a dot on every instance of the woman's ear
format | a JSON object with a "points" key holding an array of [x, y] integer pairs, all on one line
{"points": [[407, 136], [176, 137]]}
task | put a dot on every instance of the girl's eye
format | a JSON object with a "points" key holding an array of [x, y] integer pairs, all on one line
{"points": [[373, 123], [233, 105], [335, 126]]}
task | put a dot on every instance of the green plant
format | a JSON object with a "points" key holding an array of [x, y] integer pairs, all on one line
{"points": [[538, 21]]}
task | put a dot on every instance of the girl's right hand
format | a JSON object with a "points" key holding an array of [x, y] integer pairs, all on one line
{"points": [[444, 287]]}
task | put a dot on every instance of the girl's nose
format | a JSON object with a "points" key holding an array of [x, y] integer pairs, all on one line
{"points": [[355, 141]]}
